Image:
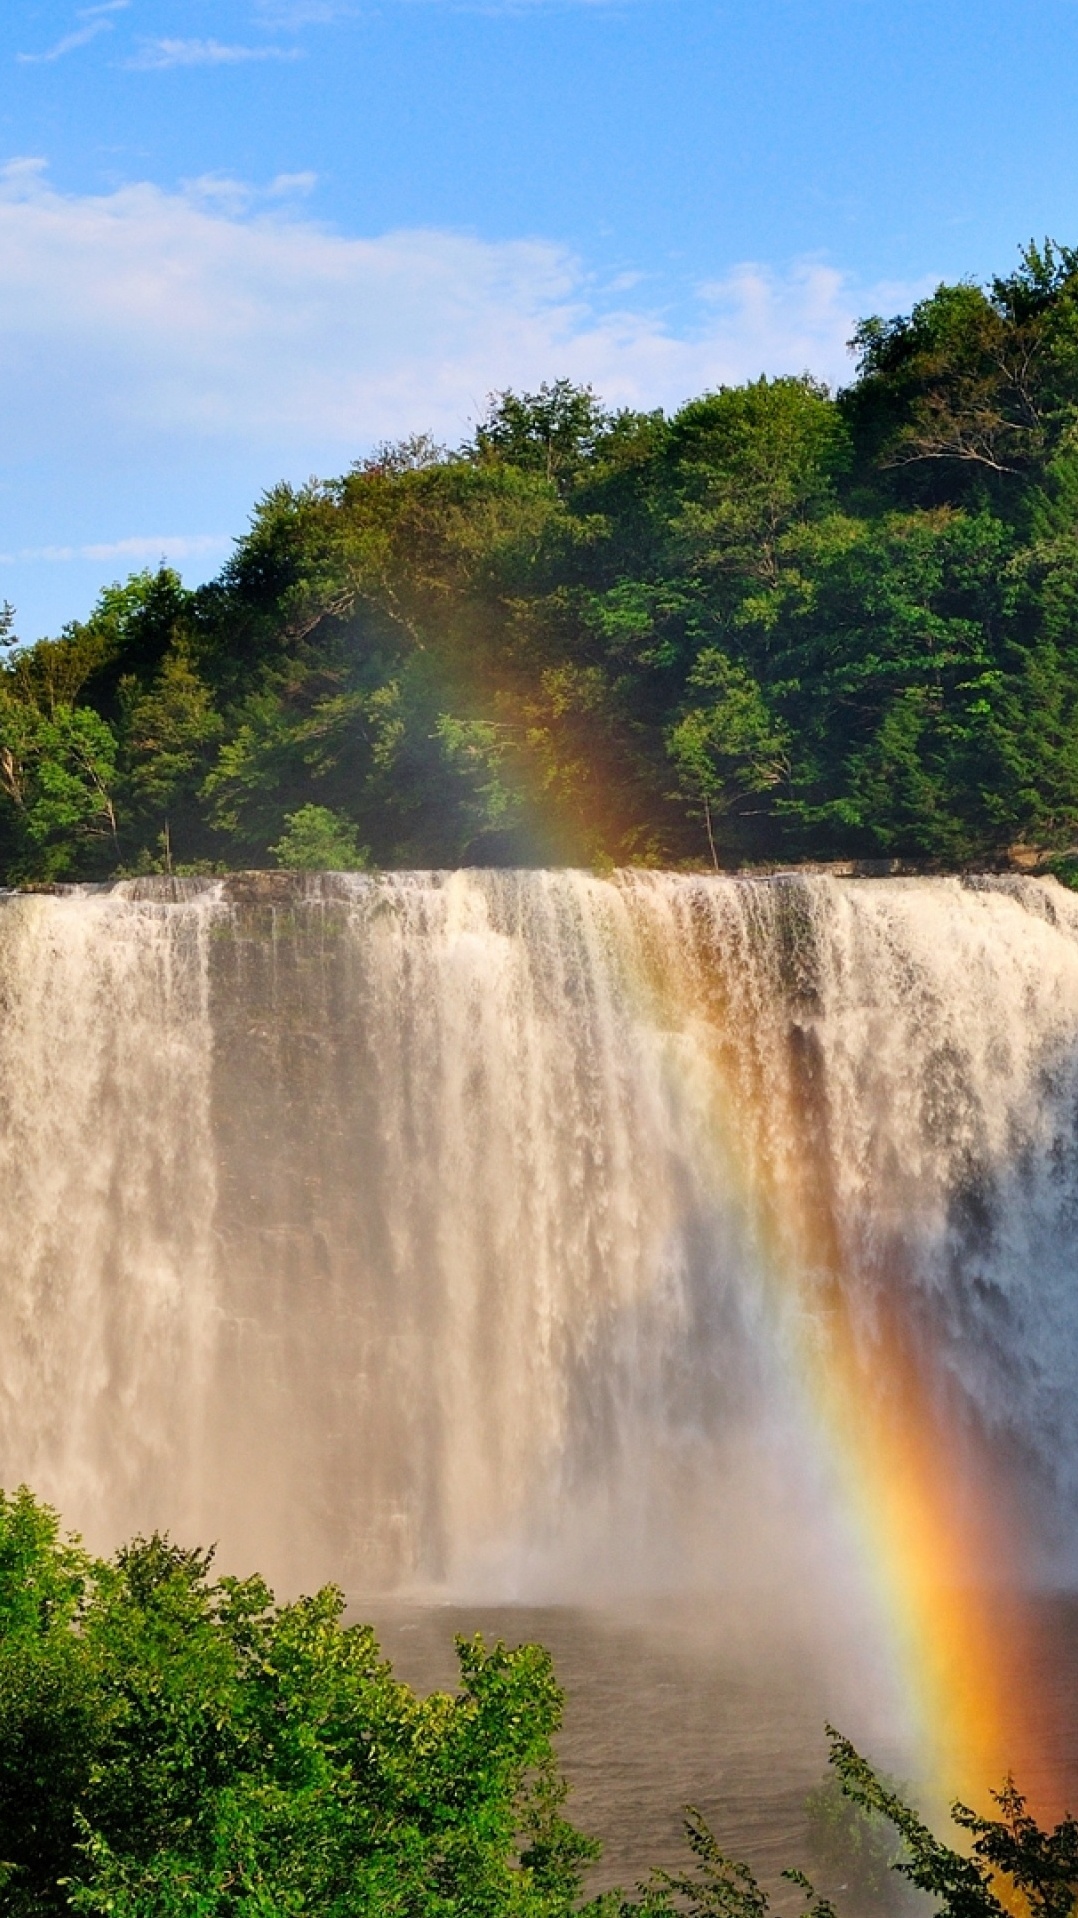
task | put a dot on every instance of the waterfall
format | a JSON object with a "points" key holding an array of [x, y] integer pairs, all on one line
{"points": [[462, 1230]]}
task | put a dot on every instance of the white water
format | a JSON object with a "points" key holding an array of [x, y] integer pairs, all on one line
{"points": [[423, 1231]]}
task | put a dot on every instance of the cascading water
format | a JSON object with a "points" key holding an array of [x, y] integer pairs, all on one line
{"points": [[479, 1230]]}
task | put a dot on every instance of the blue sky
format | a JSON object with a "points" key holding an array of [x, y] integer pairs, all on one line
{"points": [[243, 240]]}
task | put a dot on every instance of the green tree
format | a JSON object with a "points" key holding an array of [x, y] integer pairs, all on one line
{"points": [[1013, 1858], [716, 1886], [748, 463], [172, 1743], [726, 745], [318, 840], [976, 385], [168, 730], [553, 432], [891, 676], [59, 772], [853, 1849]]}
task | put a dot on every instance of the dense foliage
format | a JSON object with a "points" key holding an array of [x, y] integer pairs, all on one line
{"points": [[171, 1743], [779, 623], [174, 1745]]}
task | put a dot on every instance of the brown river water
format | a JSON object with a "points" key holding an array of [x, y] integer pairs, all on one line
{"points": [[671, 1704]]}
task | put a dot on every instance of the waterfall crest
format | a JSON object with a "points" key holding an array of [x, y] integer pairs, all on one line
{"points": [[460, 1229]]}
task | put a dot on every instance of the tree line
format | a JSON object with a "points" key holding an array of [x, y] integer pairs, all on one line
{"points": [[780, 623]]}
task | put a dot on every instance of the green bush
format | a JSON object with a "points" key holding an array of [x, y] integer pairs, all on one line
{"points": [[175, 1745], [172, 1743], [318, 840]]}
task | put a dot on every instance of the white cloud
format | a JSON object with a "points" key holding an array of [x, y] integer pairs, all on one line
{"points": [[97, 20], [157, 55], [211, 314]]}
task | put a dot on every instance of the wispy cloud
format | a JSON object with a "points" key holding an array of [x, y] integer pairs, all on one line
{"points": [[217, 311], [156, 55], [289, 15], [96, 20], [285, 185], [233, 198], [169, 546], [501, 8]]}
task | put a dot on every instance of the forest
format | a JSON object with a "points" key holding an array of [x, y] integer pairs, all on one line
{"points": [[779, 625]]}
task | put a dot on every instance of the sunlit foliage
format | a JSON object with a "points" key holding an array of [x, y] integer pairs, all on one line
{"points": [[175, 1743], [178, 1745]]}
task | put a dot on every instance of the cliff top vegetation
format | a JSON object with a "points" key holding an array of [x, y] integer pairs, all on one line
{"points": [[780, 624]]}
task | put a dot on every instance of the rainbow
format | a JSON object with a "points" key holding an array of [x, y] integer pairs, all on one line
{"points": [[940, 1538], [936, 1555]]}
